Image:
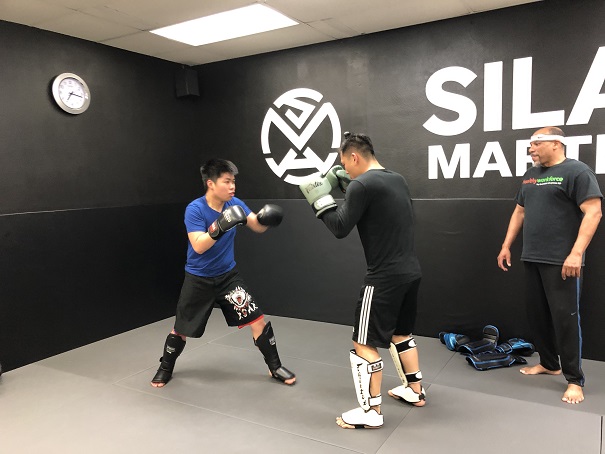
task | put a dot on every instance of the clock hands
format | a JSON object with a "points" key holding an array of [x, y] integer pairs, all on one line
{"points": [[71, 93]]}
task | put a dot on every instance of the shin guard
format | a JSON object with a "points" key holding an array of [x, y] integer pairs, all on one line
{"points": [[493, 360], [267, 346], [487, 344], [173, 347], [405, 392], [521, 347], [453, 341], [362, 371], [395, 350]]}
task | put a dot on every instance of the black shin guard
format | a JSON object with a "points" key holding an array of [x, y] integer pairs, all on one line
{"points": [[267, 346], [173, 347]]}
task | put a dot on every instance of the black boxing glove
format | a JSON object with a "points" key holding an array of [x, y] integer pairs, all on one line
{"points": [[231, 217], [270, 215]]}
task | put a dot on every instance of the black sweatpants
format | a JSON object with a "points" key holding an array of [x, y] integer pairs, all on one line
{"points": [[553, 310]]}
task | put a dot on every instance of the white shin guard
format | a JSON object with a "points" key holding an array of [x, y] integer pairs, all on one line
{"points": [[404, 392], [359, 418], [407, 394], [362, 371], [398, 366]]}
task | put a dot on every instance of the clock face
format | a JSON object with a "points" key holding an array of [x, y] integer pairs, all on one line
{"points": [[71, 93]]}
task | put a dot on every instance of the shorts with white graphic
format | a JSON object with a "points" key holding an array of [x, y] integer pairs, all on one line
{"points": [[383, 310], [199, 295]]}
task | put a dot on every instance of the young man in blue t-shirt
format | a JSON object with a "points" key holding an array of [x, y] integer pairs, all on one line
{"points": [[210, 273]]}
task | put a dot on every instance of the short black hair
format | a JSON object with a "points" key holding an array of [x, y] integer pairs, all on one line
{"points": [[360, 142], [214, 168]]}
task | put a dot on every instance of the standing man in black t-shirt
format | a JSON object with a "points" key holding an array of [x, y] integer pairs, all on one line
{"points": [[559, 209], [377, 202]]}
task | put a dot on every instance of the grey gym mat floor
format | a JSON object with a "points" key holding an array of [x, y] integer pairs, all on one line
{"points": [[97, 399]]}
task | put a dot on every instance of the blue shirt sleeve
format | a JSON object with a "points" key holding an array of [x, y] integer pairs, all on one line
{"points": [[194, 219]]}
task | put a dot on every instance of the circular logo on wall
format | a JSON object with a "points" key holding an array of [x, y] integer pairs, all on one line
{"points": [[302, 123]]}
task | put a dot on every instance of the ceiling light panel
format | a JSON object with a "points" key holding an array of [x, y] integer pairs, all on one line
{"points": [[236, 23]]}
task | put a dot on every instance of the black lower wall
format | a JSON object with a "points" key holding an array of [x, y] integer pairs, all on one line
{"points": [[74, 277], [70, 278]]}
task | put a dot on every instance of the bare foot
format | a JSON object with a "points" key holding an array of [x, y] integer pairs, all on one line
{"points": [[158, 385], [573, 395], [538, 369], [422, 403], [360, 419], [343, 424]]}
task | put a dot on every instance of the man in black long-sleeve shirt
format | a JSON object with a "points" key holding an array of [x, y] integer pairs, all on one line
{"points": [[377, 202]]}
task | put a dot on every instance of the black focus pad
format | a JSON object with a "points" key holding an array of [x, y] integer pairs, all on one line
{"points": [[270, 215]]}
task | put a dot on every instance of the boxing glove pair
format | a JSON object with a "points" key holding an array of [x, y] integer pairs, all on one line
{"points": [[317, 188]]}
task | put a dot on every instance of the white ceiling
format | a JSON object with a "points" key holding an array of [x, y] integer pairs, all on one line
{"points": [[125, 24]]}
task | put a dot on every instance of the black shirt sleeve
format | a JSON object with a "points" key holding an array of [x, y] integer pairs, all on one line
{"points": [[585, 187], [342, 220]]}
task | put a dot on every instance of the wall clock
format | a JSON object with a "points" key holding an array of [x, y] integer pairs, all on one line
{"points": [[71, 93]]}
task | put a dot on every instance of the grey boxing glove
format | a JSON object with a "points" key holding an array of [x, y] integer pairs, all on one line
{"points": [[338, 178], [317, 190]]}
